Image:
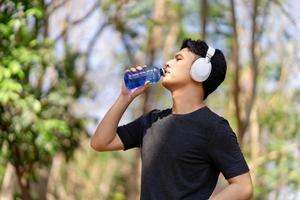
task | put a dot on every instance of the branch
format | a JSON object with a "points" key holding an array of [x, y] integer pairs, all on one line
{"points": [[272, 155], [92, 44], [286, 13], [89, 13], [77, 22], [264, 16], [64, 31], [128, 49], [53, 8]]}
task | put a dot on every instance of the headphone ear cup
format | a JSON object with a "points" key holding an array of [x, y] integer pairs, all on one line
{"points": [[200, 70]]}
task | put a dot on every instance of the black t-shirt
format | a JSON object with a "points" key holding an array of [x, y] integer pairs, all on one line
{"points": [[182, 155]]}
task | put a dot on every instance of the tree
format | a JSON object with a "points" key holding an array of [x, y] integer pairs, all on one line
{"points": [[36, 94]]}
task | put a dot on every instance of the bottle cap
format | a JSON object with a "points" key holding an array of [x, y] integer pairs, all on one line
{"points": [[162, 71]]}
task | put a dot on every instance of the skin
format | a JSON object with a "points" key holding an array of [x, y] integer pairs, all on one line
{"points": [[187, 96]]}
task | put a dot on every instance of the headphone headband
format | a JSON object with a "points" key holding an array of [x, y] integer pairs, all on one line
{"points": [[210, 53]]}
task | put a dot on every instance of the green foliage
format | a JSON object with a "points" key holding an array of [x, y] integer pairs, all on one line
{"points": [[36, 92], [279, 123], [118, 196]]}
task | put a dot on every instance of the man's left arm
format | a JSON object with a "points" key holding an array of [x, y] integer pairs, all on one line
{"points": [[227, 156], [239, 188]]}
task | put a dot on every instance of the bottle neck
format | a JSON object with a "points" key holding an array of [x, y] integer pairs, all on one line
{"points": [[162, 71]]}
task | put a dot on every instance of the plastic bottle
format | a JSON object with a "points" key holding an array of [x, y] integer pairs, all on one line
{"points": [[136, 79]]}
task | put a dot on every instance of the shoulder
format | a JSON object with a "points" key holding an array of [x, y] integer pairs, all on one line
{"points": [[223, 133], [220, 126], [216, 120], [209, 119], [214, 116]]}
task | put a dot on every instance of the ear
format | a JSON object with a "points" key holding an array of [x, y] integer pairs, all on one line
{"points": [[200, 70]]}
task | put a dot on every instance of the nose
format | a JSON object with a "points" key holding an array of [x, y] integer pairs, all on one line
{"points": [[167, 65]]}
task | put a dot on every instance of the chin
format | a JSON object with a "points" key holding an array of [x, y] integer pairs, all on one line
{"points": [[168, 84], [165, 81], [173, 84]]}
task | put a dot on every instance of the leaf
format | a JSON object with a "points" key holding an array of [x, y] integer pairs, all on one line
{"points": [[36, 106], [14, 67], [15, 23], [37, 12], [4, 73], [4, 29], [9, 85]]}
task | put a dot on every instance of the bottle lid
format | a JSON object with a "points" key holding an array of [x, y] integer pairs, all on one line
{"points": [[162, 71]]}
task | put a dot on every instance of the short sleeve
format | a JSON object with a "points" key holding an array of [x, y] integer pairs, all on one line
{"points": [[132, 133], [226, 153]]}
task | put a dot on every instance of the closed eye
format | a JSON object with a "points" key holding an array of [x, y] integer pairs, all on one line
{"points": [[178, 57]]}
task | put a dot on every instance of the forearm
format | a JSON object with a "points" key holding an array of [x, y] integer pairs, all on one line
{"points": [[233, 192], [106, 129]]}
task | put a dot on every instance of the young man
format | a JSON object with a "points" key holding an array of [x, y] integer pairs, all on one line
{"points": [[184, 148]]}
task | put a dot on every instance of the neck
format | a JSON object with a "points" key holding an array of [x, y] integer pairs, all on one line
{"points": [[188, 99]]}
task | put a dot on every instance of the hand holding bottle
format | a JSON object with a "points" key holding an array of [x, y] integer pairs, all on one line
{"points": [[136, 77], [131, 94]]}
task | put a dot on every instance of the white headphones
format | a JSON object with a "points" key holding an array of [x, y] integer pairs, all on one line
{"points": [[201, 68]]}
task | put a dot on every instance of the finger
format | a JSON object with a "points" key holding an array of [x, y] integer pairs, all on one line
{"points": [[132, 69], [139, 68], [146, 85], [144, 66], [136, 92], [141, 89]]}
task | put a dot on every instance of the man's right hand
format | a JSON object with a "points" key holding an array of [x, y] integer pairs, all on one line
{"points": [[130, 95], [105, 137]]}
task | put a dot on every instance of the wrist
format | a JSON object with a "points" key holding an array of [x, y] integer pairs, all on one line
{"points": [[125, 98]]}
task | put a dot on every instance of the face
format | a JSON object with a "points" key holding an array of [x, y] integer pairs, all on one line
{"points": [[178, 70]]}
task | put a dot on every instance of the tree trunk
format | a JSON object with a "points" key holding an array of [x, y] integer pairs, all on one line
{"points": [[54, 176], [24, 184], [236, 65], [255, 145], [171, 38], [154, 42], [243, 113], [204, 14], [9, 184], [254, 69]]}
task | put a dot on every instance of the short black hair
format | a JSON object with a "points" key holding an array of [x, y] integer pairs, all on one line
{"points": [[218, 62]]}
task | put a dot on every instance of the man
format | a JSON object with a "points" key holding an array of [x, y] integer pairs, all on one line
{"points": [[184, 148]]}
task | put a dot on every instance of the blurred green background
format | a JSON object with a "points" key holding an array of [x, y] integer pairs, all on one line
{"points": [[61, 67]]}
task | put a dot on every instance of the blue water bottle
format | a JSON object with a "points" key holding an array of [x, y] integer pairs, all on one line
{"points": [[136, 79]]}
